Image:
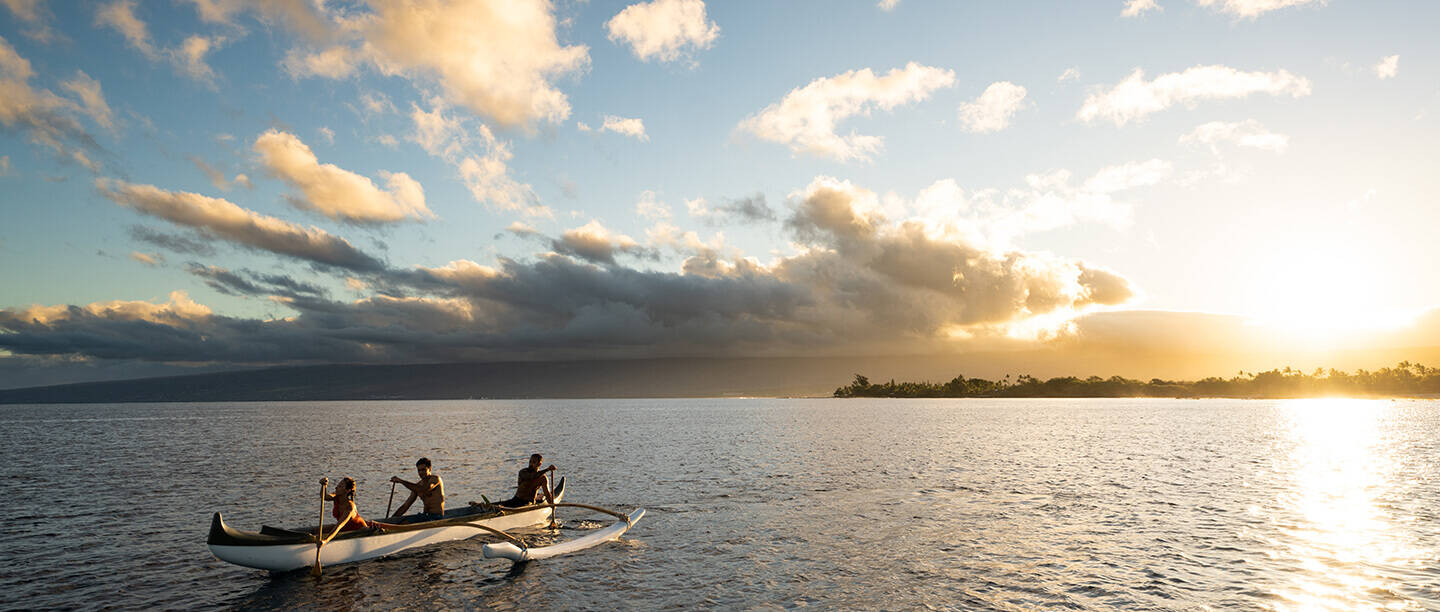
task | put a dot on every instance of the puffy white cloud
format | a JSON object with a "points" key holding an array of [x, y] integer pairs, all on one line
{"points": [[120, 16], [331, 63], [991, 112], [337, 193], [1134, 98], [663, 29], [1071, 74], [595, 243], [1135, 8], [1249, 133], [497, 58], [180, 311], [1111, 179], [887, 5], [1388, 67], [650, 206], [634, 128], [1253, 8], [805, 119], [221, 219], [478, 155]]}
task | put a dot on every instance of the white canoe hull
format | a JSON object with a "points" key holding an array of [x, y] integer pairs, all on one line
{"points": [[287, 557]]}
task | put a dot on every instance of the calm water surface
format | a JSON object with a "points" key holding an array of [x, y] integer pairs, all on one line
{"points": [[978, 504]]}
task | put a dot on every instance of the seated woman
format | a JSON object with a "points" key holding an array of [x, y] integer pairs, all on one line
{"points": [[344, 498]]}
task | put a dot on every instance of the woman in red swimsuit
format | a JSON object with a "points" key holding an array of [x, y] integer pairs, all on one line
{"points": [[344, 498]]}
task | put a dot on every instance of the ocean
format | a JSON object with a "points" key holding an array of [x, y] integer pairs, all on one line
{"points": [[1013, 504]]}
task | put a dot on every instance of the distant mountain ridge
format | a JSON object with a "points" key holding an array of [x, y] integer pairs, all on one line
{"points": [[572, 379]]}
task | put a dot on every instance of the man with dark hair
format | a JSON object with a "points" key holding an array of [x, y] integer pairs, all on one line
{"points": [[428, 489], [531, 484]]}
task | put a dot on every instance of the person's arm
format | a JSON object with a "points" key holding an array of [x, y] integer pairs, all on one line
{"points": [[408, 502], [409, 485]]}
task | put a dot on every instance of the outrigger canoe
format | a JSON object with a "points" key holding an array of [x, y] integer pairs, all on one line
{"points": [[282, 550]]}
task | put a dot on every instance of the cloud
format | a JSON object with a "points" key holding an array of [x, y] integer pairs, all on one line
{"points": [[991, 112], [1134, 98], [189, 58], [1388, 67], [752, 209], [218, 218], [1253, 8], [650, 207], [1071, 74], [887, 5], [92, 100], [1129, 176], [33, 13], [171, 242], [337, 193], [664, 30], [4, 165], [634, 128], [149, 259], [48, 119], [497, 58], [217, 178], [480, 158], [860, 284], [1249, 133], [120, 16], [594, 243], [805, 119], [901, 279], [301, 16], [1135, 8], [253, 283]]}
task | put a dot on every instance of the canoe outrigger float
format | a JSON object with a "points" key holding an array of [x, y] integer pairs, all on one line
{"points": [[283, 550]]}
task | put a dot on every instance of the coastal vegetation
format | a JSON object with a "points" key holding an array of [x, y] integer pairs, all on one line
{"points": [[1404, 380]]}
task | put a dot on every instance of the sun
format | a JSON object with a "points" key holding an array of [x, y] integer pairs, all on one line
{"points": [[1320, 291]]}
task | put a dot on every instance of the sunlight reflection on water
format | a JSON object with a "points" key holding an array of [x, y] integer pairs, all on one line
{"points": [[1343, 468]]}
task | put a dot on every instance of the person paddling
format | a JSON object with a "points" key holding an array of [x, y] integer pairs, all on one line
{"points": [[344, 498], [530, 484], [428, 489]]}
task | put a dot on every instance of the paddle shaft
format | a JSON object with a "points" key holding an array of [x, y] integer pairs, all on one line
{"points": [[319, 531], [392, 498], [550, 496]]}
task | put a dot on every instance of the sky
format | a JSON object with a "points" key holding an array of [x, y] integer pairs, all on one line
{"points": [[195, 185]]}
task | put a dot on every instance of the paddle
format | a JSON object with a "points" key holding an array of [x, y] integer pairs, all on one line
{"points": [[320, 531], [392, 498], [550, 495]]}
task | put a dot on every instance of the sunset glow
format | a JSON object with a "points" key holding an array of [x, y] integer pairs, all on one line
{"points": [[423, 181]]}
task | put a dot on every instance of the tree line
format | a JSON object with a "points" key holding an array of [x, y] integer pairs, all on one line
{"points": [[1404, 380]]}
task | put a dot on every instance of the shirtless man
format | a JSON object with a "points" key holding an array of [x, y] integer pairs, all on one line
{"points": [[428, 489], [530, 484]]}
